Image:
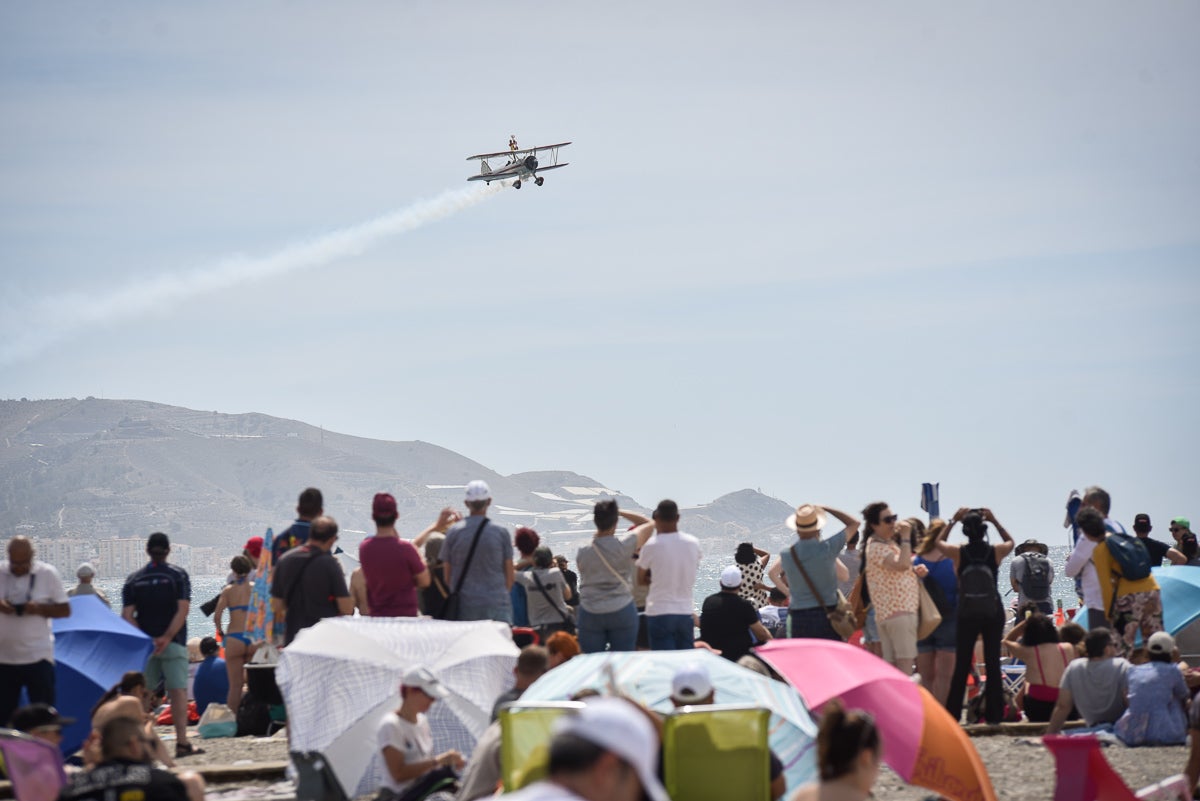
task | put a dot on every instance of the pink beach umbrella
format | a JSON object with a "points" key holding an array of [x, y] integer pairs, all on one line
{"points": [[921, 742]]}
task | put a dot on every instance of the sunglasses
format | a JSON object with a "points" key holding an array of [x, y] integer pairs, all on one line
{"points": [[889, 519]]}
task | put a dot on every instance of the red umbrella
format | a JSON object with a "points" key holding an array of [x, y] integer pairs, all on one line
{"points": [[921, 742]]}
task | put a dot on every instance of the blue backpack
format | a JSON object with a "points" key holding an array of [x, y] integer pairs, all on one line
{"points": [[1131, 554]]}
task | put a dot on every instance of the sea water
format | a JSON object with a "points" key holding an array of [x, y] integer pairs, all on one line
{"points": [[716, 558]]}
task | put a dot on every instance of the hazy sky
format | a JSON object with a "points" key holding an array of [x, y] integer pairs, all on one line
{"points": [[826, 250]]}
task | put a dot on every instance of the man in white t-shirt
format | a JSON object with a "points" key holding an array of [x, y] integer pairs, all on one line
{"points": [[405, 738], [31, 594], [668, 564]]}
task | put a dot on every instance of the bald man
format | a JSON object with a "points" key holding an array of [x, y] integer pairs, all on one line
{"points": [[31, 594]]}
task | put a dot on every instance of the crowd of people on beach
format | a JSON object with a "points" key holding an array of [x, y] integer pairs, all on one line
{"points": [[896, 587]]}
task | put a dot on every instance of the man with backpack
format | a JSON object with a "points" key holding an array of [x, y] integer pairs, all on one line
{"points": [[1131, 595], [1032, 575]]}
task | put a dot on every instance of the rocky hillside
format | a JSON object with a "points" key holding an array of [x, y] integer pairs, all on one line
{"points": [[103, 468]]}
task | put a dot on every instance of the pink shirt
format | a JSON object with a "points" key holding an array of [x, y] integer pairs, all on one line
{"points": [[390, 565]]}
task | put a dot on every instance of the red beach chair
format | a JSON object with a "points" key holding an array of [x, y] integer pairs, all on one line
{"points": [[1083, 774]]}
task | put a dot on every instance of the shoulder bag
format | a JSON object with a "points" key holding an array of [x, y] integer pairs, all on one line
{"points": [[840, 615], [929, 617], [449, 610], [568, 624]]}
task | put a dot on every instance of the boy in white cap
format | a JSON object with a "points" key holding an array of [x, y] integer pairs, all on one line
{"points": [[727, 620], [405, 738], [608, 751]]}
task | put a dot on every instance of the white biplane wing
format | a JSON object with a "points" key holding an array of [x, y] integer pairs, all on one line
{"points": [[517, 153], [520, 163]]}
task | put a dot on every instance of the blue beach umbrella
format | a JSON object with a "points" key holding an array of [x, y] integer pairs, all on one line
{"points": [[1179, 586], [93, 648], [645, 676]]}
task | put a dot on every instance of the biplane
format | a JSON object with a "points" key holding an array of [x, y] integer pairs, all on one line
{"points": [[520, 163]]}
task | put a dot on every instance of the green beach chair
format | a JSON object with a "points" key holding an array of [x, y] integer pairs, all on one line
{"points": [[714, 753], [525, 730]]}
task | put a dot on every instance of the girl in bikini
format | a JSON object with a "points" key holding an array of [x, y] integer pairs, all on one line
{"points": [[1035, 642], [239, 647]]}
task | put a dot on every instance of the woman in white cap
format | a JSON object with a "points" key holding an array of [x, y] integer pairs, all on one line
{"points": [[85, 574], [809, 571], [406, 740], [1158, 696]]}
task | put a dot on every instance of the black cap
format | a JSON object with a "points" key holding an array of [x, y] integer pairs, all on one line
{"points": [[1141, 517], [35, 716], [158, 542]]}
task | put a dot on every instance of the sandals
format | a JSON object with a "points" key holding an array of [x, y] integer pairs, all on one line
{"points": [[187, 750]]}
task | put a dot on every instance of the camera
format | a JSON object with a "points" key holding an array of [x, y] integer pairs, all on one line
{"points": [[18, 609]]}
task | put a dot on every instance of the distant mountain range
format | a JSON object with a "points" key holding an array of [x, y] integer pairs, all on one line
{"points": [[105, 468]]}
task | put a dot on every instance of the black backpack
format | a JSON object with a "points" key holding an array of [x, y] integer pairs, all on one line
{"points": [[977, 593], [1035, 581], [253, 717]]}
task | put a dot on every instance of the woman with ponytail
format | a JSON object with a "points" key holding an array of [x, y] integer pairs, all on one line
{"points": [[848, 756]]}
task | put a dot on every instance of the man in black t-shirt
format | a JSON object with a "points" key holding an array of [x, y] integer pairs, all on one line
{"points": [[1157, 550], [726, 621], [308, 584], [127, 771], [157, 599]]}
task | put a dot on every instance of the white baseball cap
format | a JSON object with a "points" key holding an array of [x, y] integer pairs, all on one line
{"points": [[478, 491], [731, 577], [422, 678], [617, 726], [691, 683], [1160, 642]]}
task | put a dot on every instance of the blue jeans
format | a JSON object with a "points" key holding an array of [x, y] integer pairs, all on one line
{"points": [[671, 632], [613, 631], [811, 623], [501, 612]]}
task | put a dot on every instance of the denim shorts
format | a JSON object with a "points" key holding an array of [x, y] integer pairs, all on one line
{"points": [[870, 630], [942, 638]]}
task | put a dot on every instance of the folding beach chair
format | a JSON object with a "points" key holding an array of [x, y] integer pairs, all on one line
{"points": [[315, 779], [714, 753], [525, 731], [34, 766], [1083, 774]]}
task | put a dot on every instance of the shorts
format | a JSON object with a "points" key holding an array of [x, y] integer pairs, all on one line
{"points": [[170, 666], [898, 635], [870, 630], [943, 638]]}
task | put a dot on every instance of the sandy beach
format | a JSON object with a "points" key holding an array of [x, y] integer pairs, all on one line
{"points": [[1020, 767]]}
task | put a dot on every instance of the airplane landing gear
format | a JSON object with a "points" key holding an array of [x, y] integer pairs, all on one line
{"points": [[539, 180], [517, 184]]}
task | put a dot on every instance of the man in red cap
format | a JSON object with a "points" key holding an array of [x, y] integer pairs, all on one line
{"points": [[393, 568]]}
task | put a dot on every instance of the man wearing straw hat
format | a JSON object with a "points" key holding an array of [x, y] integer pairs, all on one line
{"points": [[812, 564]]}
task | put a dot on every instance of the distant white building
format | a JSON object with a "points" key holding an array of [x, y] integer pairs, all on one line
{"points": [[65, 554], [120, 556]]}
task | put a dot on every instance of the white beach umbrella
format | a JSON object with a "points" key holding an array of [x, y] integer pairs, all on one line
{"points": [[340, 677]]}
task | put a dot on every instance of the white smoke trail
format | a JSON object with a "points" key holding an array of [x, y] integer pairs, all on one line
{"points": [[53, 319]]}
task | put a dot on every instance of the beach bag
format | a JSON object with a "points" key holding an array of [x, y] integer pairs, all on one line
{"points": [[840, 615], [938, 595], [859, 601], [253, 717], [1035, 581], [450, 607], [218, 720], [928, 616], [977, 709], [1131, 554], [977, 593]]}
